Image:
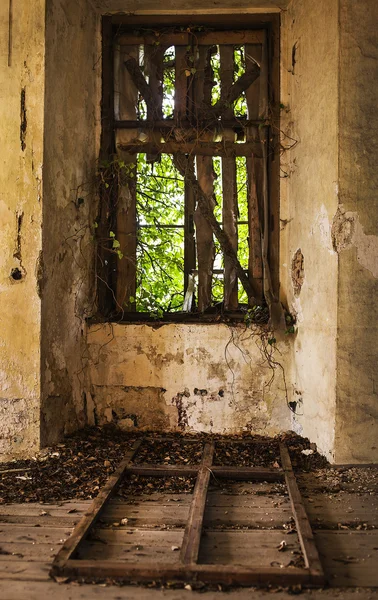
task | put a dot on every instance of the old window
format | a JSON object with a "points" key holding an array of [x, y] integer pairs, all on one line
{"points": [[187, 220]]}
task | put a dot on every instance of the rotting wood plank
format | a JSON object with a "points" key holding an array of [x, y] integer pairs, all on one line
{"points": [[153, 514], [252, 36], [238, 124], [153, 56], [229, 575], [30, 533], [159, 516], [248, 548], [126, 232], [349, 558], [19, 521], [148, 470], [181, 84], [306, 537], [94, 512], [254, 175], [187, 569], [29, 551], [24, 570], [106, 285], [230, 198], [193, 531], [236, 473], [201, 95], [190, 242], [35, 590], [44, 510], [198, 148]]}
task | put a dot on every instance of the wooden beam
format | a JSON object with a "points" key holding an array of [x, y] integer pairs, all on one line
{"points": [[105, 282], [153, 57], [146, 470], [193, 530], [190, 242], [241, 84], [168, 39], [306, 537], [252, 36], [126, 232], [235, 123], [220, 472], [222, 574], [204, 202], [171, 7], [230, 198], [96, 508], [229, 149], [247, 473], [181, 84], [255, 169], [201, 101]]}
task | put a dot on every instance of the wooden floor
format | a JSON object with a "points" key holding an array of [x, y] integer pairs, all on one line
{"points": [[245, 524]]}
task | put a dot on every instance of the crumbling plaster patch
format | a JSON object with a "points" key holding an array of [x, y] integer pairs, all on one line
{"points": [[297, 271], [347, 232], [186, 377]]}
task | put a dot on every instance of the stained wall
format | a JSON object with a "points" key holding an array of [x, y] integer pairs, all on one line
{"points": [[22, 55], [71, 142], [188, 377], [356, 235], [309, 201]]}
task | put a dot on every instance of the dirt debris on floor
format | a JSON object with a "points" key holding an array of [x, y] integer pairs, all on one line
{"points": [[169, 452], [136, 485], [79, 466]]}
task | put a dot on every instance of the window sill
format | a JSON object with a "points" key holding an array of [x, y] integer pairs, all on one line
{"points": [[215, 317]]}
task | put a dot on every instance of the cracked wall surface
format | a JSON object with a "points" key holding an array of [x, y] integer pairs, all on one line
{"points": [[21, 134], [72, 118], [185, 377], [357, 224], [309, 175]]}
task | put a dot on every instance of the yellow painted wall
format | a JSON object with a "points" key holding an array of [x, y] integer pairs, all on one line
{"points": [[356, 235], [20, 224], [71, 146], [309, 200]]}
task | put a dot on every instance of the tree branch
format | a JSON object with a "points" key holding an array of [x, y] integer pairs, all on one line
{"points": [[208, 214], [140, 82], [237, 88]]}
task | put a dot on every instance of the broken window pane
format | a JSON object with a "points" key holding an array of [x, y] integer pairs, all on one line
{"points": [[160, 236]]}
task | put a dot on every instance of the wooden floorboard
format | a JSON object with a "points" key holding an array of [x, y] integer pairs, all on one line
{"points": [[349, 558], [29, 533], [248, 548], [39, 590], [155, 526]]}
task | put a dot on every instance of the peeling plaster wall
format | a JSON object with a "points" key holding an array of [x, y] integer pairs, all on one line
{"points": [[72, 120], [309, 62], [21, 134], [186, 377], [356, 235]]}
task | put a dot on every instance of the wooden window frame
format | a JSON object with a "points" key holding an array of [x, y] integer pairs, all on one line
{"points": [[110, 276]]}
